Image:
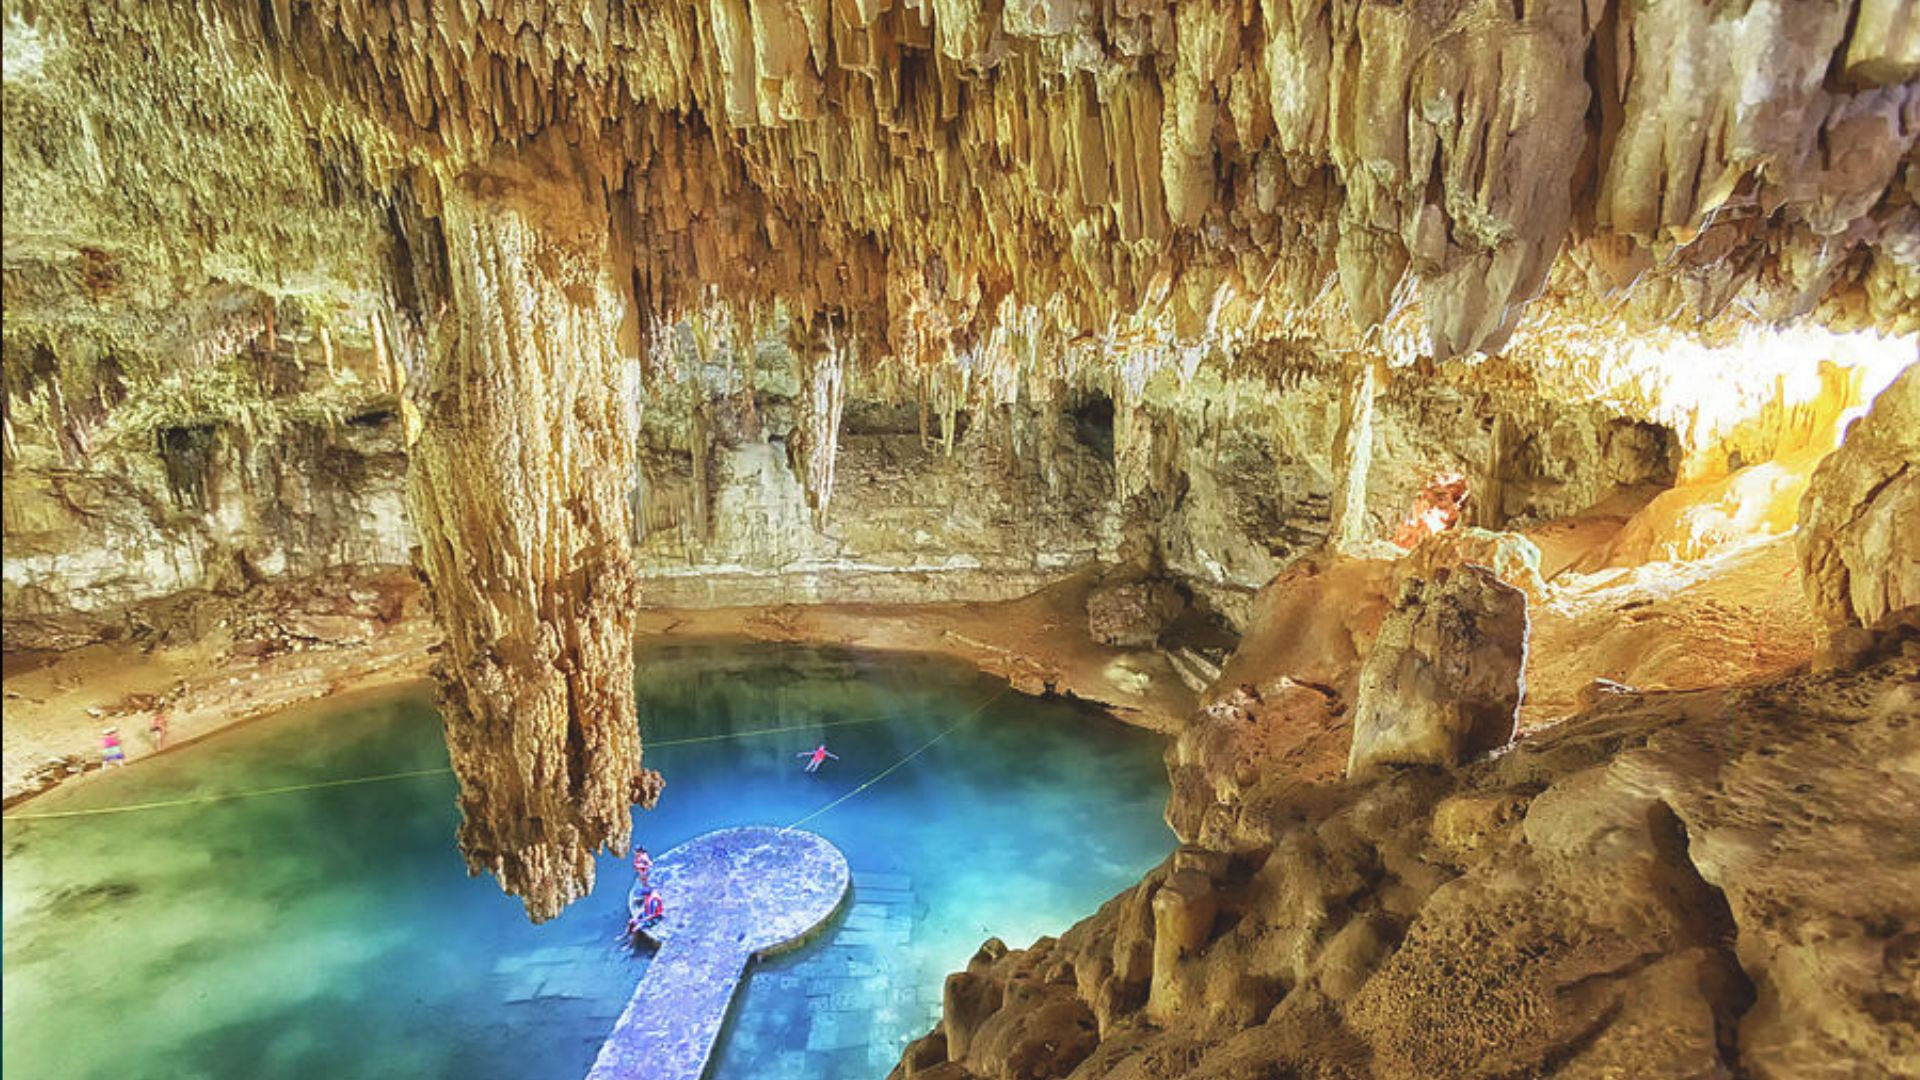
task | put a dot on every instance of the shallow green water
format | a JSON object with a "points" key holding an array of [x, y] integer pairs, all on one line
{"points": [[334, 932]]}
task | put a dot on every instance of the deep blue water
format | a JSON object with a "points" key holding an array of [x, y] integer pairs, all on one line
{"points": [[333, 932]]}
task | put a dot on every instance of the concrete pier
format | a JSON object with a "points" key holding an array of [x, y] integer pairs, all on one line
{"points": [[729, 896]]}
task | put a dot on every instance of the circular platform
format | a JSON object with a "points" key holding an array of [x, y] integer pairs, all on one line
{"points": [[770, 887]]}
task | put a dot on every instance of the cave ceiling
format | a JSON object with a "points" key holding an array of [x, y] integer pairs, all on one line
{"points": [[982, 181]]}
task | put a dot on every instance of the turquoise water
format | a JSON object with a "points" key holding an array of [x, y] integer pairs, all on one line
{"points": [[333, 932]]}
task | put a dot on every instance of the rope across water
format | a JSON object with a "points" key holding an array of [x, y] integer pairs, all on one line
{"points": [[883, 773], [411, 774]]}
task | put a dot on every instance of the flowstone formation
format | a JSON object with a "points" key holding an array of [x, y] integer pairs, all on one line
{"points": [[1198, 287]]}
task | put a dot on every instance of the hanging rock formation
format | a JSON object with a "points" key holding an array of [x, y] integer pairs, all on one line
{"points": [[1410, 175], [519, 491]]}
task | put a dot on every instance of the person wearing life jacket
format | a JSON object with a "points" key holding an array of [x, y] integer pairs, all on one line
{"points": [[650, 912], [817, 755], [642, 864]]}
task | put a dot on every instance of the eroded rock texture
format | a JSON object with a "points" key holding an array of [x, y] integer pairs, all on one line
{"points": [[1666, 885], [519, 487], [979, 180], [1859, 534], [1446, 674], [920, 165]]}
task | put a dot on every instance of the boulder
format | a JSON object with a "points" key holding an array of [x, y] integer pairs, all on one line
{"points": [[1446, 674], [1045, 1031], [967, 1001], [924, 1055], [1184, 910], [1513, 558], [1859, 540]]}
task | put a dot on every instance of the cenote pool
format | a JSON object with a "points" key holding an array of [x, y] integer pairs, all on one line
{"points": [[333, 932]]}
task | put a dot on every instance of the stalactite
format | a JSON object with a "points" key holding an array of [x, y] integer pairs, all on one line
{"points": [[823, 382], [1488, 500], [701, 439], [1353, 455], [519, 487], [1411, 175]]}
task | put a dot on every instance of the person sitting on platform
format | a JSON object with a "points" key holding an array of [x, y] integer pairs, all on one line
{"points": [[651, 909]]}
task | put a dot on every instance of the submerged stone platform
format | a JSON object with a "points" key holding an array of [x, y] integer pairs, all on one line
{"points": [[729, 896]]}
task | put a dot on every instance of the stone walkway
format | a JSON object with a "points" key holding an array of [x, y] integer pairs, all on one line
{"points": [[730, 896], [848, 1007]]}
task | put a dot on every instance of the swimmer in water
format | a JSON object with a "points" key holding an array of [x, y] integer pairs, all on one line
{"points": [[817, 755]]}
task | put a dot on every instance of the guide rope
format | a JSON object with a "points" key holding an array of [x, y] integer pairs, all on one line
{"points": [[884, 773], [410, 774], [195, 800]]}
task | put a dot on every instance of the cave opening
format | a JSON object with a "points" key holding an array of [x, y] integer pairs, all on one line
{"points": [[187, 452], [1092, 417]]}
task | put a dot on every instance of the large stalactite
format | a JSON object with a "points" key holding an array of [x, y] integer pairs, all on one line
{"points": [[519, 490]]}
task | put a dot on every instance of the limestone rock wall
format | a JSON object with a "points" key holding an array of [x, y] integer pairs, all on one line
{"points": [[1859, 538], [1667, 885], [272, 449], [1006, 505]]}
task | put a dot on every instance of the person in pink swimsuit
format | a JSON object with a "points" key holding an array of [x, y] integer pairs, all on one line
{"points": [[817, 755]]}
